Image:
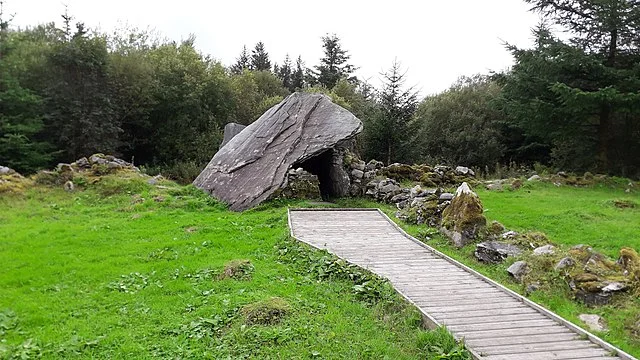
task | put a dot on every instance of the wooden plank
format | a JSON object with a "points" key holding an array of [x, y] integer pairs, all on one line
{"points": [[530, 348], [443, 302], [552, 355], [487, 312], [516, 324], [521, 340], [552, 329], [461, 308], [488, 319]]}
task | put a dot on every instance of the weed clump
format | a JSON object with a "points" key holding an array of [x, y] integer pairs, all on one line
{"points": [[266, 312], [624, 204], [440, 344], [237, 270]]}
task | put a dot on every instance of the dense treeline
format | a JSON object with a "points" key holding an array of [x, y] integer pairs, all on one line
{"points": [[67, 91]]}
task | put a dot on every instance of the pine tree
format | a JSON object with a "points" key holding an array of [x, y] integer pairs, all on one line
{"points": [[4, 28], [260, 58], [593, 82], [284, 73], [242, 62], [297, 78], [334, 65], [66, 20], [398, 104]]}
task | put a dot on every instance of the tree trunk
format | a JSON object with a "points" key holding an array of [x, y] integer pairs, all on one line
{"points": [[604, 134]]}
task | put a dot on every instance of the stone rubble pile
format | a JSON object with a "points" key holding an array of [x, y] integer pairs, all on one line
{"points": [[92, 168], [301, 184]]}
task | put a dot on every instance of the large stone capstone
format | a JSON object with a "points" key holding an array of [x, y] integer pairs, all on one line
{"points": [[254, 164]]}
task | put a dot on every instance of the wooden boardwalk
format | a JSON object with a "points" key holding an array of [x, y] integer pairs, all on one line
{"points": [[494, 322]]}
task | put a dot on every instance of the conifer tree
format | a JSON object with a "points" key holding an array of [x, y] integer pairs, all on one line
{"points": [[334, 65], [242, 62], [285, 74], [297, 77], [260, 58]]}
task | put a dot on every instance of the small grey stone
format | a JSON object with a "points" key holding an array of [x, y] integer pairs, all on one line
{"points": [[370, 174], [462, 170], [534, 178], [154, 180], [518, 269], [96, 159], [415, 191], [390, 188], [593, 322], [544, 250], [494, 186], [69, 187], [614, 287], [495, 252], [564, 263], [5, 170], [374, 165], [358, 165], [445, 197], [563, 174], [358, 174], [532, 287], [509, 234], [400, 197]]}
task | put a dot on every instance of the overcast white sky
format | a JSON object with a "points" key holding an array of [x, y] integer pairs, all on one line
{"points": [[435, 40]]}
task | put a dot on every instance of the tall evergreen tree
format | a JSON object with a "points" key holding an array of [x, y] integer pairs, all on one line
{"points": [[242, 62], [260, 58], [334, 65], [297, 78], [590, 85], [4, 28], [397, 106], [284, 73]]}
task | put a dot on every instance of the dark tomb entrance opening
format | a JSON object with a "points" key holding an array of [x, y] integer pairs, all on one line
{"points": [[321, 166]]}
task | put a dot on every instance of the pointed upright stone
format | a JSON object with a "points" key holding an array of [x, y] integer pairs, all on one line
{"points": [[463, 221]]}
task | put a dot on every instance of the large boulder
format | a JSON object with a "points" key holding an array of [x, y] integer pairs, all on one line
{"points": [[254, 164], [230, 131], [463, 221]]}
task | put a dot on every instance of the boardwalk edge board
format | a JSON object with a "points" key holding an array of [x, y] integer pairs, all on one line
{"points": [[431, 322]]}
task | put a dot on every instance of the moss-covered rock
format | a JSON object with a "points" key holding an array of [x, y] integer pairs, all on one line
{"points": [[13, 183], [402, 172], [463, 221]]}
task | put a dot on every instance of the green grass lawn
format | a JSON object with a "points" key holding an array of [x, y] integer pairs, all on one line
{"points": [[126, 276], [569, 216]]}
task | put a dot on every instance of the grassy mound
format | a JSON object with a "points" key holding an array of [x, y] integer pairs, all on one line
{"points": [[266, 312]]}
